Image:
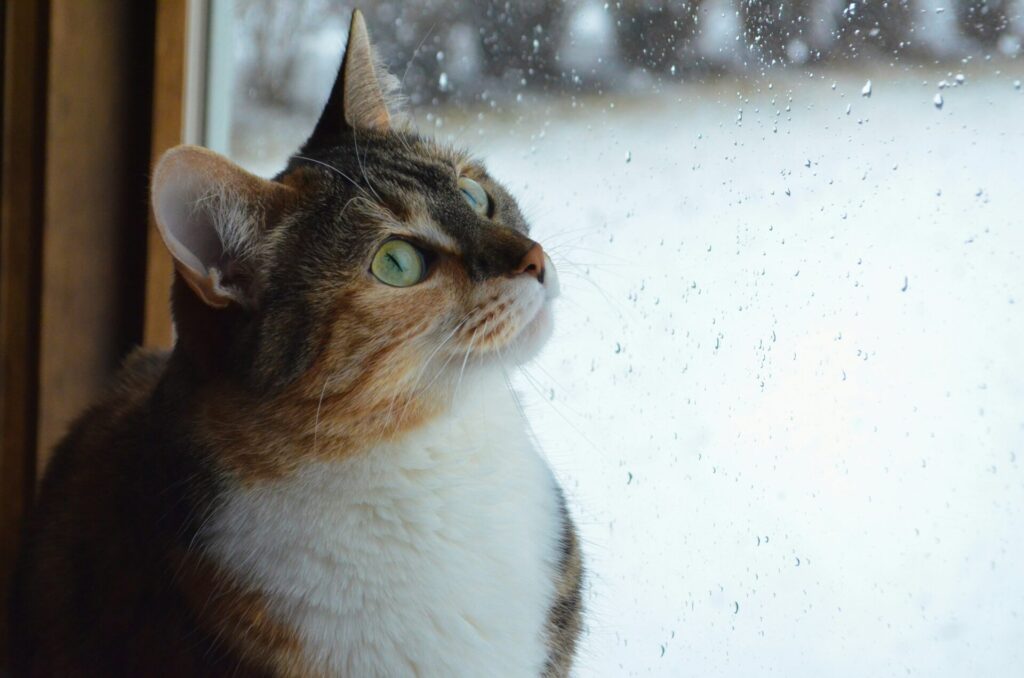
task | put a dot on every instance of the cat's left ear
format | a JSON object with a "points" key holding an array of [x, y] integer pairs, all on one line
{"points": [[213, 216], [358, 99]]}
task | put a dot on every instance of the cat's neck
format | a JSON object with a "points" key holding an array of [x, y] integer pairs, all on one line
{"points": [[259, 437]]}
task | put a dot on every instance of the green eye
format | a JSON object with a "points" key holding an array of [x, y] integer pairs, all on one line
{"points": [[475, 195], [399, 264]]}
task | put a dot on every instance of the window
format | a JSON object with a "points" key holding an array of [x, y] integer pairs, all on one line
{"points": [[786, 393]]}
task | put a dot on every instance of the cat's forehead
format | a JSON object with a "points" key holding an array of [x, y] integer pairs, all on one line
{"points": [[411, 184]]}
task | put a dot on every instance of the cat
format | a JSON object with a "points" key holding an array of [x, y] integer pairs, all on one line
{"points": [[329, 473]]}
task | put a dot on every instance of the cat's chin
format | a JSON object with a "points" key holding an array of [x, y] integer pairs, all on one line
{"points": [[531, 339]]}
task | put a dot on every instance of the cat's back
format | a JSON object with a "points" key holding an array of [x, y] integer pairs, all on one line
{"points": [[92, 577]]}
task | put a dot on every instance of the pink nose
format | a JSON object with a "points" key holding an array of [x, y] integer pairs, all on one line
{"points": [[532, 263]]}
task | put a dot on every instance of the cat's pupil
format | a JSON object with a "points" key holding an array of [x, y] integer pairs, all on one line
{"points": [[394, 262], [469, 197]]}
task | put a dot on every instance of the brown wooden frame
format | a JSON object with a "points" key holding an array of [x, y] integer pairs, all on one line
{"points": [[25, 36], [168, 130], [92, 92]]}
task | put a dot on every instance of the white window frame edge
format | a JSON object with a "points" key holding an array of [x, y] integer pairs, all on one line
{"points": [[209, 74], [194, 105]]}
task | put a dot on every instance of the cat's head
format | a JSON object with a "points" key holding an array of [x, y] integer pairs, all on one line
{"points": [[377, 266]]}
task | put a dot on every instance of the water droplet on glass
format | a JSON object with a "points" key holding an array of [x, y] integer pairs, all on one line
{"points": [[906, 284], [442, 81], [629, 156], [865, 91], [959, 78], [735, 607], [937, 101]]}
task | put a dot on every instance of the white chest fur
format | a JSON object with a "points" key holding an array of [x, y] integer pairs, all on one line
{"points": [[434, 556]]}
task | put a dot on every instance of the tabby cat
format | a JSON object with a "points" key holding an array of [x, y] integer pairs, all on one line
{"points": [[329, 474]]}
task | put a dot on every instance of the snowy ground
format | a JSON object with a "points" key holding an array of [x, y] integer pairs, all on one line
{"points": [[786, 394]]}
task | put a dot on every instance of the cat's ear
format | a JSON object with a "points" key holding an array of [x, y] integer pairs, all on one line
{"points": [[212, 214], [359, 96]]}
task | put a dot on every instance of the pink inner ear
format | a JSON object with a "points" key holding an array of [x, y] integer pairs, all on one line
{"points": [[187, 228]]}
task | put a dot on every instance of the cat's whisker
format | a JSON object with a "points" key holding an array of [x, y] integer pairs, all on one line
{"points": [[319, 404], [531, 380], [558, 255], [573, 272], [415, 53], [362, 166], [465, 360], [419, 376], [337, 171], [569, 235]]}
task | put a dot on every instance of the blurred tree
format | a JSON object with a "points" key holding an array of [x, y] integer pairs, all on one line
{"points": [[984, 20], [774, 26], [412, 38], [521, 38], [271, 31], [656, 34], [881, 24]]}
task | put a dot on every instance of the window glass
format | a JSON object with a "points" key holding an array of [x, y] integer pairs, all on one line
{"points": [[786, 391]]}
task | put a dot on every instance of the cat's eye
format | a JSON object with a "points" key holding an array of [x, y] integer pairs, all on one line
{"points": [[399, 263], [475, 195]]}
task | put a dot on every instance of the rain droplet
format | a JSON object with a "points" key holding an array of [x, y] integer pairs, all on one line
{"points": [[906, 284], [865, 91], [629, 156], [959, 78], [1016, 84], [735, 607], [442, 81], [629, 478], [937, 101]]}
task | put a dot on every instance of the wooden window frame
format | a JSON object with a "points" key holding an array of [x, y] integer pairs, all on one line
{"points": [[93, 92]]}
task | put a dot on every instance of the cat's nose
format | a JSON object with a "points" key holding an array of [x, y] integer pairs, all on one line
{"points": [[532, 263]]}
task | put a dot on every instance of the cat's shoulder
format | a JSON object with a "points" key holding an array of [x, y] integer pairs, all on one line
{"points": [[138, 375], [119, 407]]}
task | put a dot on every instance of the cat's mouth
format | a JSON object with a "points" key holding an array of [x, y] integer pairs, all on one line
{"points": [[515, 323]]}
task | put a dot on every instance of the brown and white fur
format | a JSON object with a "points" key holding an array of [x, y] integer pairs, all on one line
{"points": [[328, 475]]}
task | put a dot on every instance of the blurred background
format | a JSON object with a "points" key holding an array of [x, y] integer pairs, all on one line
{"points": [[786, 389], [275, 60]]}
